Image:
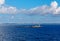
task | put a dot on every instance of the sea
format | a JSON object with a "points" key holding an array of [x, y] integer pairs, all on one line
{"points": [[26, 32]]}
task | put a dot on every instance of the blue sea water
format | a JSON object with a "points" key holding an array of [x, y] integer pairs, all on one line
{"points": [[16, 32]]}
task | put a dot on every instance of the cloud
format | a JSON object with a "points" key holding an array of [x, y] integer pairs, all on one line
{"points": [[44, 9], [2, 2], [8, 10], [54, 4]]}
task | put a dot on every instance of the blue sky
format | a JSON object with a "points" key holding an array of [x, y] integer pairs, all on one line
{"points": [[29, 3], [30, 11]]}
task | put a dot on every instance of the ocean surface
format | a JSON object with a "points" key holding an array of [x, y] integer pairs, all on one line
{"points": [[17, 32]]}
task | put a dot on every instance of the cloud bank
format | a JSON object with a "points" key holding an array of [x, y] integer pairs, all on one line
{"points": [[44, 9]]}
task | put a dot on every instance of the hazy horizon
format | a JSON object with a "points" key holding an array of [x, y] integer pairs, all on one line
{"points": [[29, 11]]}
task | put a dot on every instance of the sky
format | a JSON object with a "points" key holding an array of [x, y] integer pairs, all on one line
{"points": [[29, 11]]}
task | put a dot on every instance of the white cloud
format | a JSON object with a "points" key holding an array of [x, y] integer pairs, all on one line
{"points": [[45, 9], [2, 2], [8, 10], [54, 4]]}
